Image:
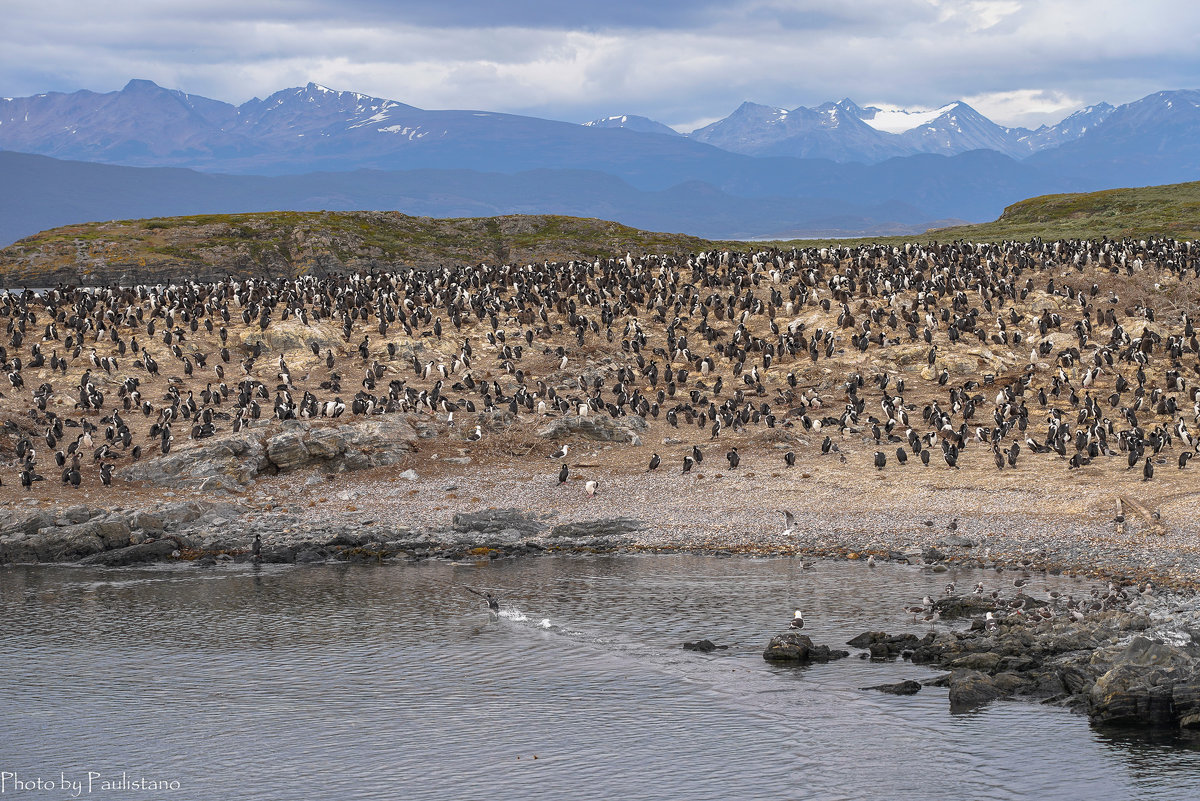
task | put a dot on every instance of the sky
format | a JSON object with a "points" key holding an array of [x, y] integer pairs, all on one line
{"points": [[683, 62]]}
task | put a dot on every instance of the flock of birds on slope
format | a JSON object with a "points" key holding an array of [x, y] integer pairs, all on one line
{"points": [[715, 342]]}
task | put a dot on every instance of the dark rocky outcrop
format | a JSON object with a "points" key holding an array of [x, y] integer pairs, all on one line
{"points": [[908, 687], [1140, 686], [155, 551], [1102, 665], [883, 645], [972, 688], [798, 649], [704, 646]]}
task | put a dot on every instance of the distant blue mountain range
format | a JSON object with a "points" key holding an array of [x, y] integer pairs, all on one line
{"points": [[761, 171]]}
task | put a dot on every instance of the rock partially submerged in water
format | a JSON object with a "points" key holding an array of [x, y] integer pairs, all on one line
{"points": [[883, 645], [972, 688], [907, 687], [1149, 684], [799, 649], [704, 646], [1103, 665], [154, 551]]}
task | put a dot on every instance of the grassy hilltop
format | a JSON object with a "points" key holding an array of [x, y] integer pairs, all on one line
{"points": [[1172, 210], [288, 243]]}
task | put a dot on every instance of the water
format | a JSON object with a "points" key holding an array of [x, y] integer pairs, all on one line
{"points": [[341, 682]]}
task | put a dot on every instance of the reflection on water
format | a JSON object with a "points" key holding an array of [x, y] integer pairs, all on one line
{"points": [[394, 682]]}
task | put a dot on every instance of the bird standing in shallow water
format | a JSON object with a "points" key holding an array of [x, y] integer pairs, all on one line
{"points": [[492, 601]]}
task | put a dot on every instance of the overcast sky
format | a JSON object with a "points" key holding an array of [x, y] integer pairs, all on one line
{"points": [[682, 62]]}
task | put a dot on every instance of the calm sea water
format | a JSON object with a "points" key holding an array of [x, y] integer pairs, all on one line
{"points": [[339, 682]]}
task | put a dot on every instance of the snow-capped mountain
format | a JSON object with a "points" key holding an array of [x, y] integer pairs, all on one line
{"points": [[934, 163], [309, 128], [1068, 130], [844, 131], [833, 131], [1154, 140], [633, 122]]}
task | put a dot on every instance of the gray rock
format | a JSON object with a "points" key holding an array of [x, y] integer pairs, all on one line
{"points": [[234, 460], [970, 689], [902, 688], [494, 521], [148, 521], [599, 428], [799, 649], [23, 522], [66, 543], [155, 551], [597, 529]]}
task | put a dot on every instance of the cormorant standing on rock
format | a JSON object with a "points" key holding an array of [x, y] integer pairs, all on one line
{"points": [[256, 549], [562, 475], [655, 462], [1148, 470]]}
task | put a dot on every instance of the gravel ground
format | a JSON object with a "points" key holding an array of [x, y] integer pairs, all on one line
{"points": [[1038, 514]]}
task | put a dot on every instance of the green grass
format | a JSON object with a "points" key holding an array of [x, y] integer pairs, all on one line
{"points": [[1172, 210]]}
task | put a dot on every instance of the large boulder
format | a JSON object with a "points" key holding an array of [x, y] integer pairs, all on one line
{"points": [[598, 427], [970, 689], [66, 543], [883, 645], [237, 459], [1139, 688], [155, 551], [798, 649], [908, 687]]}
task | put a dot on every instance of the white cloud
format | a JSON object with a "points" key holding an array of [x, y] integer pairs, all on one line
{"points": [[1026, 107], [902, 52]]}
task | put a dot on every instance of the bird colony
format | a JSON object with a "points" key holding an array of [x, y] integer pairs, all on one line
{"points": [[896, 358]]}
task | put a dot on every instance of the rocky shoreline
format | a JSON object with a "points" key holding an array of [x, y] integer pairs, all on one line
{"points": [[1137, 664], [1134, 666]]}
